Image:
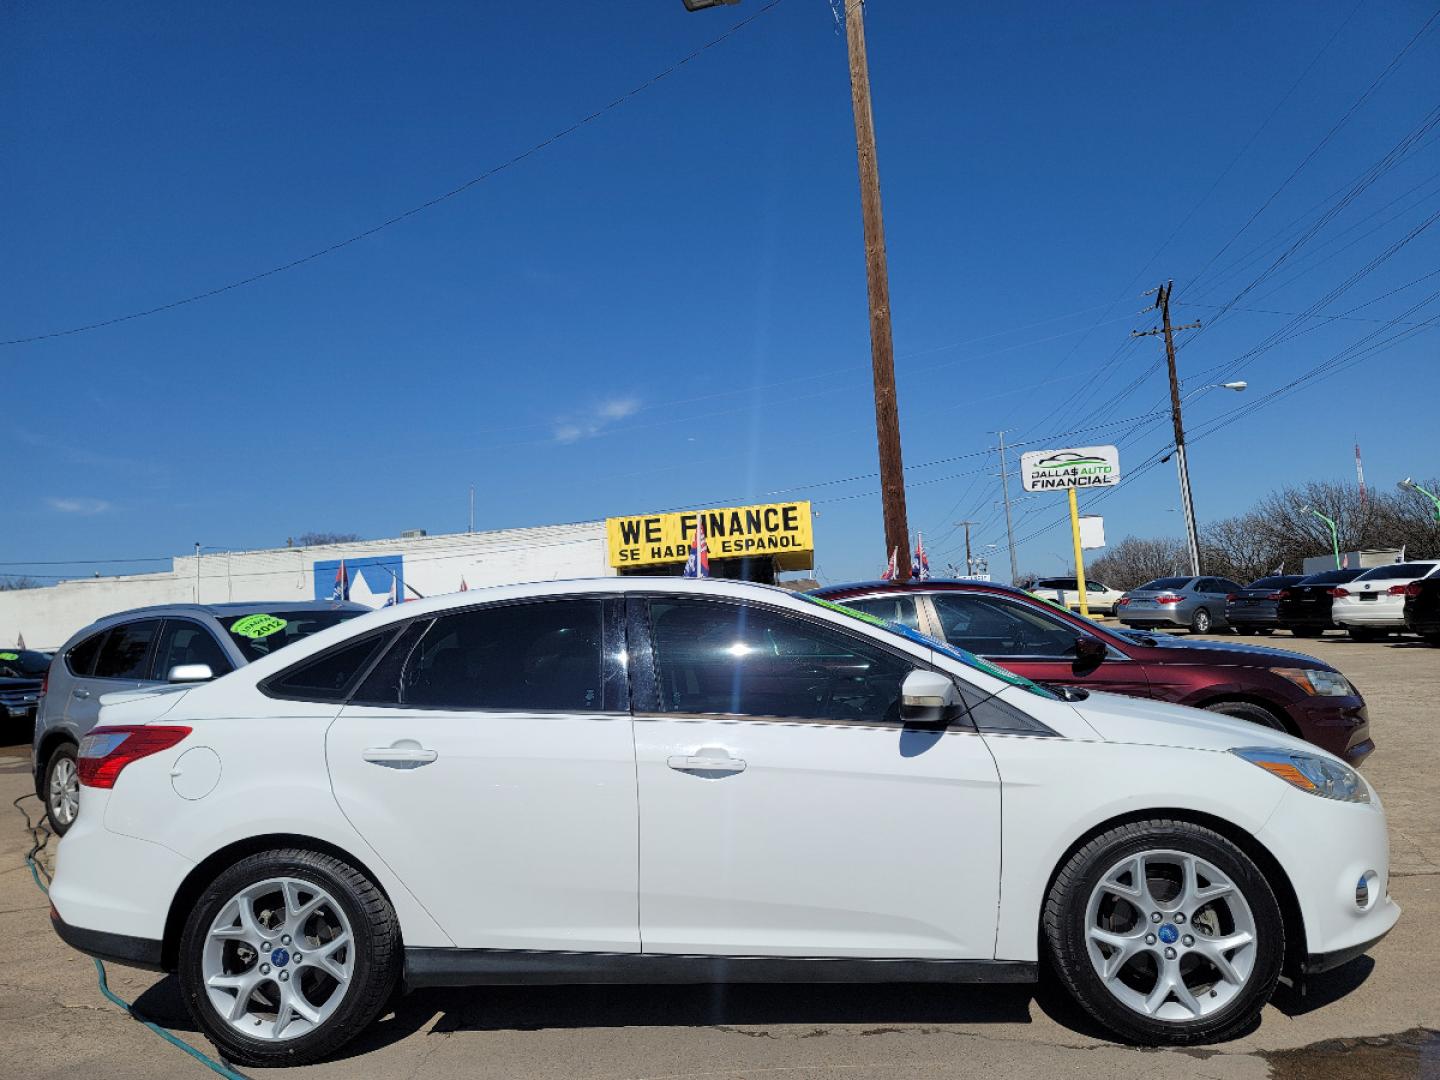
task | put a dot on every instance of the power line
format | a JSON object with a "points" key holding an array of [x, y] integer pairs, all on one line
{"points": [[421, 208]]}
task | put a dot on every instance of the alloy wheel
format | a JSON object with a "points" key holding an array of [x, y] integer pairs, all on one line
{"points": [[64, 792], [1170, 935], [279, 959]]}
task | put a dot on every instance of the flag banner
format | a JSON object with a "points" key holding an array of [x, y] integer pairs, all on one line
{"points": [[697, 564], [892, 571], [342, 583], [920, 565]]}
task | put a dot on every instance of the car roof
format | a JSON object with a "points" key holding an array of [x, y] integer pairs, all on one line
{"points": [[218, 611], [928, 585]]}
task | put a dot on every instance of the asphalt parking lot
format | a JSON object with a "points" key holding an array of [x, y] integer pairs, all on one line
{"points": [[1377, 1017]]}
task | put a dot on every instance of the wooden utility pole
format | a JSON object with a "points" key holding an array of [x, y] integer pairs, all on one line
{"points": [[882, 352], [1162, 301], [1009, 526], [969, 562]]}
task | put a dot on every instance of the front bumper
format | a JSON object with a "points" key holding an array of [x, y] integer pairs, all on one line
{"points": [[1340, 725]]}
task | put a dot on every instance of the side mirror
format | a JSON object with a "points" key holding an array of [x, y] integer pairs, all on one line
{"points": [[927, 697], [1090, 653], [183, 673]]}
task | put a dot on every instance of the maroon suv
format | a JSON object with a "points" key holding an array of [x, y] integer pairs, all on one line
{"points": [[1283, 690]]}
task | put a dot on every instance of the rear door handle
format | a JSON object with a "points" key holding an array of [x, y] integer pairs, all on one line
{"points": [[708, 759], [400, 756], [81, 692]]}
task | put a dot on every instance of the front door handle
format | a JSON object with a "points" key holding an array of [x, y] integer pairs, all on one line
{"points": [[406, 754], [707, 759], [80, 692]]}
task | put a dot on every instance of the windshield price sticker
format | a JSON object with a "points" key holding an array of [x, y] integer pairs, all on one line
{"points": [[258, 626], [9, 656], [1077, 467]]}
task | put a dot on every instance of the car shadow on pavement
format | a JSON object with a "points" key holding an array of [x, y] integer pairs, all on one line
{"points": [[1322, 990]]}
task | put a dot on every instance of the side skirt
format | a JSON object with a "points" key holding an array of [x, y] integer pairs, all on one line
{"points": [[513, 967]]}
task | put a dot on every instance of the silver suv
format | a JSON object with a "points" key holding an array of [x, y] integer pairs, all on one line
{"points": [[146, 647]]}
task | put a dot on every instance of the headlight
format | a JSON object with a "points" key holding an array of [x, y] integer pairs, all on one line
{"points": [[1309, 772], [1317, 681]]}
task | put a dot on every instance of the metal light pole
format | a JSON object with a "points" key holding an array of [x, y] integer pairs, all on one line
{"points": [[1334, 531], [1409, 485], [877, 282]]}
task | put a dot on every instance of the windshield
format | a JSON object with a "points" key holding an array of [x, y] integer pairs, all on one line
{"points": [[1398, 570], [1165, 583], [965, 657], [23, 664], [261, 633]]}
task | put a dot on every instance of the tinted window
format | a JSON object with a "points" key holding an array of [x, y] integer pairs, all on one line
{"points": [[719, 658], [81, 658], [1398, 570], [183, 642], [994, 627], [1225, 585], [541, 657], [1166, 583], [329, 676], [122, 656], [260, 633], [898, 609], [1330, 577]]}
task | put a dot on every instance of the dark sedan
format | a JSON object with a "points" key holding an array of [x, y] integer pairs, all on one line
{"points": [[1422, 608], [1255, 608], [1304, 608], [22, 675], [1281, 690]]}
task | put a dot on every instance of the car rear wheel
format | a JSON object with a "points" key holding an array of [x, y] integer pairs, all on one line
{"points": [[1244, 710], [287, 956], [1165, 932], [1200, 622], [62, 789]]}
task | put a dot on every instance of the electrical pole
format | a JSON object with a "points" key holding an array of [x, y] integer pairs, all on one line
{"points": [[1162, 301], [1009, 526], [882, 353], [969, 562]]}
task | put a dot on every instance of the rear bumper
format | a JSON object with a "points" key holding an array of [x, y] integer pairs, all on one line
{"points": [[1375, 614], [1149, 618], [123, 949], [1248, 616]]}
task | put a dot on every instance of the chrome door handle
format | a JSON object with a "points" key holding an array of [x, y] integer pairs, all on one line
{"points": [[80, 692], [708, 759], [399, 757]]}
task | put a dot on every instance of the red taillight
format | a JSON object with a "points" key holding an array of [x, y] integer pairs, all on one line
{"points": [[1232, 596], [1275, 595], [1283, 594], [1413, 589], [1167, 599], [1339, 592], [1397, 590], [1124, 600], [107, 750]]}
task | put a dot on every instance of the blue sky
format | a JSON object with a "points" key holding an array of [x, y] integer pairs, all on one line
{"points": [[667, 307]]}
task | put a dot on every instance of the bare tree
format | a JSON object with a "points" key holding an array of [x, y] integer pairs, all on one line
{"points": [[1135, 560], [9, 584], [315, 539]]}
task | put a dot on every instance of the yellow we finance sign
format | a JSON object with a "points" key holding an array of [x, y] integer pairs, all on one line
{"points": [[781, 530]]}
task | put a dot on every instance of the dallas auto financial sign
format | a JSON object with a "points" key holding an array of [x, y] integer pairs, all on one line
{"points": [[1077, 467]]}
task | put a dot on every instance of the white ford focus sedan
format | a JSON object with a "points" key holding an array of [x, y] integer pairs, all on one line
{"points": [[670, 781]]}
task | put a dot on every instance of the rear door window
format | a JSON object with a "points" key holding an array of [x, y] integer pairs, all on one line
{"points": [[329, 676], [125, 650]]}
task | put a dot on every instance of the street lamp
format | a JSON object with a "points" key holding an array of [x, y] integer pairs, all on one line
{"points": [[1334, 531], [1409, 485]]}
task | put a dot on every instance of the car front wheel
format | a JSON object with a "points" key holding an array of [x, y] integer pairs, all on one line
{"points": [[62, 789], [286, 956], [1166, 933]]}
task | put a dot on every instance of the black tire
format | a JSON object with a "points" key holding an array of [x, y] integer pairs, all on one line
{"points": [[1245, 710], [1431, 639], [1200, 622], [378, 956], [62, 756], [1065, 931]]}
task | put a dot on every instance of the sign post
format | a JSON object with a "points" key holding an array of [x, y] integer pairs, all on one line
{"points": [[1055, 470]]}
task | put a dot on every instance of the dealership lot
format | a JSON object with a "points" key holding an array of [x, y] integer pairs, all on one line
{"points": [[53, 1020]]}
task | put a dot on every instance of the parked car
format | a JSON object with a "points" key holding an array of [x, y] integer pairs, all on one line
{"points": [[148, 647], [1304, 608], [669, 780], [1099, 598], [22, 674], [1197, 603], [1255, 609], [1373, 605], [1281, 690], [1422, 607]]}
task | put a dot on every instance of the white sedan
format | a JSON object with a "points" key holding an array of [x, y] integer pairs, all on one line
{"points": [[662, 781], [1100, 599], [1372, 605]]}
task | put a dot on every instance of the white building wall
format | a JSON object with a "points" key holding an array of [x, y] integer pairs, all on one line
{"points": [[432, 565]]}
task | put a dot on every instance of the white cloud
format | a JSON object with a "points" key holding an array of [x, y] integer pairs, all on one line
{"points": [[595, 419], [78, 506]]}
